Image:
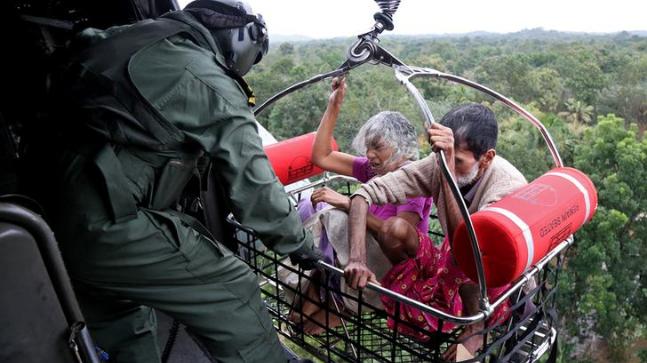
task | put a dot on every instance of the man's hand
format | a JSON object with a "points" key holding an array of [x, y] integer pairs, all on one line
{"points": [[338, 91], [441, 138], [331, 197], [358, 275], [307, 256]]}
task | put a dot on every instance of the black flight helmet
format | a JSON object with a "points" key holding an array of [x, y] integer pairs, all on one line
{"points": [[241, 34]]}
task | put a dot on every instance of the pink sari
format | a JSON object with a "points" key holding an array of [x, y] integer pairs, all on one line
{"points": [[433, 279]]}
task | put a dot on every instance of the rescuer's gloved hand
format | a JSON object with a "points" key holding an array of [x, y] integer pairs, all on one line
{"points": [[306, 256]]}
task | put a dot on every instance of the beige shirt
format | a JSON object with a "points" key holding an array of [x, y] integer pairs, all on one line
{"points": [[422, 178]]}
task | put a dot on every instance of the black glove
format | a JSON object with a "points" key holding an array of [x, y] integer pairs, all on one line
{"points": [[307, 256]]}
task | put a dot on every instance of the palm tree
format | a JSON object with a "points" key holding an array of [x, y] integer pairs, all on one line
{"points": [[577, 112]]}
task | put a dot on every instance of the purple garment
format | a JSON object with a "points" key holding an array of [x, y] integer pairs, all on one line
{"points": [[363, 172], [306, 210]]}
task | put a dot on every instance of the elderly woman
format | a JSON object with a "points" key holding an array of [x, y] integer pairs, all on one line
{"points": [[387, 141]]}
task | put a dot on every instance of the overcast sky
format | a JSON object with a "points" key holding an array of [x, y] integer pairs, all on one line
{"points": [[333, 18]]}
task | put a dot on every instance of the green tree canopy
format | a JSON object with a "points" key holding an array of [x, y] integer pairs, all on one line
{"points": [[606, 267]]}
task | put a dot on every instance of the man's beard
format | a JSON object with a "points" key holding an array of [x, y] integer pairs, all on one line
{"points": [[468, 179]]}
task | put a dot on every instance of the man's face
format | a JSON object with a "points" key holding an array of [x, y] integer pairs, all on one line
{"points": [[468, 168]]}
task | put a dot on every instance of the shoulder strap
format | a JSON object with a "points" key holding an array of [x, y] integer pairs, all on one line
{"points": [[133, 120], [202, 36]]}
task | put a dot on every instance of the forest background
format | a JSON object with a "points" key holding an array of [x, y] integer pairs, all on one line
{"points": [[591, 93]]}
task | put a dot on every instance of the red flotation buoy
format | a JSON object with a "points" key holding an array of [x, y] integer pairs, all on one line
{"points": [[291, 159], [520, 229]]}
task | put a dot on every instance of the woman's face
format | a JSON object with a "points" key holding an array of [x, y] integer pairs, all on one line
{"points": [[379, 154]]}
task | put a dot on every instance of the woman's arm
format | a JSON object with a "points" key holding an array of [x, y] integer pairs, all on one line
{"points": [[322, 154], [375, 224], [400, 240], [382, 231]]}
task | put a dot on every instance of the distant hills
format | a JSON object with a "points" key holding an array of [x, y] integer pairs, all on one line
{"points": [[535, 33]]}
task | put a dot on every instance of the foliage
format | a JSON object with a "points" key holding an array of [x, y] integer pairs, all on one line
{"points": [[577, 77], [642, 355], [606, 269], [603, 286], [591, 94], [577, 112]]}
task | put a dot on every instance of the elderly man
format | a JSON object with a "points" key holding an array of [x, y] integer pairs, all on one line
{"points": [[468, 136]]}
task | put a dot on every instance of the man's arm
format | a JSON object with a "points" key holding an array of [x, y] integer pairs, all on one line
{"points": [[357, 274], [256, 197], [419, 178], [197, 96], [442, 140]]}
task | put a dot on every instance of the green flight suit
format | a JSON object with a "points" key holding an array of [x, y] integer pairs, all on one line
{"points": [[124, 265]]}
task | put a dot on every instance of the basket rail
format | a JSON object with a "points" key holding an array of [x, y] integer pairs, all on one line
{"points": [[482, 315], [364, 334], [486, 310], [327, 178]]}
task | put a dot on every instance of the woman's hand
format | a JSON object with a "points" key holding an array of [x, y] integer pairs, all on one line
{"points": [[338, 91], [331, 197]]}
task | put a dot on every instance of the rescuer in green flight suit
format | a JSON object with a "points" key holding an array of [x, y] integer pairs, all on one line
{"points": [[143, 105]]}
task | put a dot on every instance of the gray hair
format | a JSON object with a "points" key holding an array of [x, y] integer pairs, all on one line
{"points": [[394, 129]]}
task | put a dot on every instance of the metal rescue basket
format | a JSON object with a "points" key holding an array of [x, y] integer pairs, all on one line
{"points": [[529, 330]]}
